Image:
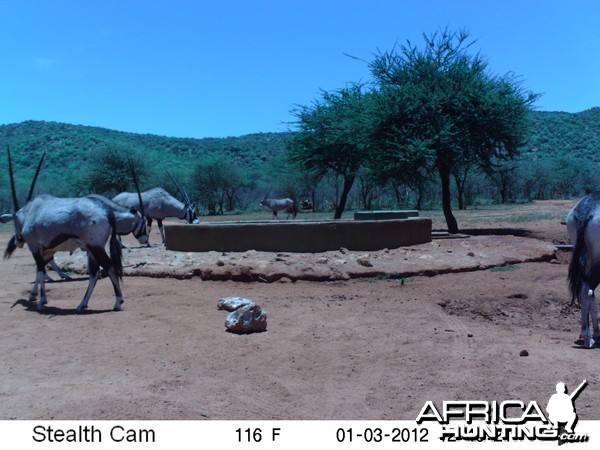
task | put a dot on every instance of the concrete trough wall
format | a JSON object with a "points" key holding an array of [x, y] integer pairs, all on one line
{"points": [[297, 235], [386, 215]]}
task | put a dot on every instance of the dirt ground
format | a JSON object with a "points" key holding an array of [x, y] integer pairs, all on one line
{"points": [[350, 335]]}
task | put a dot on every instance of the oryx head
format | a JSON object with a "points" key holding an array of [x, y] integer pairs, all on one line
{"points": [[265, 201], [190, 208]]}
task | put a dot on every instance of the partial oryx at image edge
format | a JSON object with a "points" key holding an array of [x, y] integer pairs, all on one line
{"points": [[279, 204], [49, 224], [159, 204], [583, 226]]}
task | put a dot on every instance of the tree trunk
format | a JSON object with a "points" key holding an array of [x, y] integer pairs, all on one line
{"points": [[348, 182], [447, 200]]}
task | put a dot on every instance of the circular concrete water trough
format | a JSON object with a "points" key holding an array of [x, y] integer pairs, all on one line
{"points": [[297, 235], [386, 214]]}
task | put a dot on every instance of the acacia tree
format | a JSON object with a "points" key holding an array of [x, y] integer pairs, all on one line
{"points": [[335, 137], [109, 172], [443, 99], [216, 183]]}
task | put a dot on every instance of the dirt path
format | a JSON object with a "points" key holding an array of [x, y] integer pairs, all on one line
{"points": [[340, 348]]}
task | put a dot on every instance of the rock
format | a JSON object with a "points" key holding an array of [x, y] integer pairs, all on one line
{"points": [[364, 261], [524, 353], [247, 319], [233, 303]]}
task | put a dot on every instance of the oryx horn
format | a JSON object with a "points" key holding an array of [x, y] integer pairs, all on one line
{"points": [[35, 177], [12, 182], [180, 189], [137, 186]]}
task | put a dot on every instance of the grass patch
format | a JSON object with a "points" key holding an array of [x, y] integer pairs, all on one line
{"points": [[507, 268], [389, 276]]}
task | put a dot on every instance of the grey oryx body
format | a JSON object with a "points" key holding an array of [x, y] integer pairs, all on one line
{"points": [[159, 204], [128, 221], [50, 224], [279, 204], [583, 226]]}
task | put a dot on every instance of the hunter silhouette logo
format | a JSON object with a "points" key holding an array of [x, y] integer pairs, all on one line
{"points": [[561, 409], [480, 420]]}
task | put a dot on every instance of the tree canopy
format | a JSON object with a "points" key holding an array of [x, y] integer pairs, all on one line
{"points": [[441, 105], [335, 136]]}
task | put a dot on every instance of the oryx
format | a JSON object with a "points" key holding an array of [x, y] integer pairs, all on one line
{"points": [[278, 204], [583, 226], [128, 221], [49, 224], [158, 204]]}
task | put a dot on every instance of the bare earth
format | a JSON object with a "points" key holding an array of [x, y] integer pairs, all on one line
{"points": [[351, 335]]}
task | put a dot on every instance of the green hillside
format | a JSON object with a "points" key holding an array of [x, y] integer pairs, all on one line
{"points": [[560, 143], [557, 134]]}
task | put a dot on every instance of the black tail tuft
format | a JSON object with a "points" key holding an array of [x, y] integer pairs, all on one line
{"points": [[578, 262], [116, 254], [11, 247]]}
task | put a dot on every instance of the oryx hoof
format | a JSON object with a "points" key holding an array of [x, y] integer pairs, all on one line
{"points": [[41, 306], [118, 305], [81, 308]]}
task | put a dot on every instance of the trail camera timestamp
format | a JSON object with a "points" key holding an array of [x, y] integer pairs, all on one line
{"points": [[381, 435]]}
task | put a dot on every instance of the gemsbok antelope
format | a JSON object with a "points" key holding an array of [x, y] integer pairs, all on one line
{"points": [[279, 204], [159, 204], [47, 224], [129, 221], [583, 226]]}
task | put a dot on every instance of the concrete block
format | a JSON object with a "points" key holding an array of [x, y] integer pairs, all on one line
{"points": [[297, 235]]}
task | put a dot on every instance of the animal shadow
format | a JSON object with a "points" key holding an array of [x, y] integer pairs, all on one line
{"points": [[50, 311]]}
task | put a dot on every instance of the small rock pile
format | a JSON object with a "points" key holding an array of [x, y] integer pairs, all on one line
{"points": [[245, 316]]}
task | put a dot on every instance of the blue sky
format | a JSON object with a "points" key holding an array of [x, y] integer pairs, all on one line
{"points": [[231, 67]]}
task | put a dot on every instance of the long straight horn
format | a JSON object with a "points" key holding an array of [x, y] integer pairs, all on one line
{"points": [[35, 177], [186, 196], [182, 192], [12, 181], [137, 186]]}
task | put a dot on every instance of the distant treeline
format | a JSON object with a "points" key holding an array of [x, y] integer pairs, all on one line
{"points": [[560, 160]]}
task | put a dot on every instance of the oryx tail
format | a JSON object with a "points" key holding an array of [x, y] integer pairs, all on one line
{"points": [[11, 247], [578, 262]]}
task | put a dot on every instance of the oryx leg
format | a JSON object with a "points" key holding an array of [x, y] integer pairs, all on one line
{"points": [[160, 227], [121, 242], [100, 256], [57, 269], [97, 257], [148, 226], [40, 280], [587, 300]]}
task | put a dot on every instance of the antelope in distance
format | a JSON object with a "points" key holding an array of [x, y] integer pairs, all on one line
{"points": [[50, 224], [583, 226], [279, 204], [159, 204]]}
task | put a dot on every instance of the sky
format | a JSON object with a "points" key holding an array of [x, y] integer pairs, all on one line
{"points": [[219, 68]]}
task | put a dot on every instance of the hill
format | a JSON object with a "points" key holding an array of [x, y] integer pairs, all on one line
{"points": [[559, 134], [555, 136], [70, 148]]}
